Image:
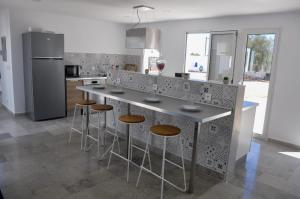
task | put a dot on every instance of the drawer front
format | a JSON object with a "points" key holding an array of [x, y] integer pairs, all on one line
{"points": [[73, 94]]}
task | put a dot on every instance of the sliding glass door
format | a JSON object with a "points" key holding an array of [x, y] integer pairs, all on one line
{"points": [[259, 59]]}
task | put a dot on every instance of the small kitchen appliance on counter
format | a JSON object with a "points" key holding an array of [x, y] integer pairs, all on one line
{"points": [[72, 70]]}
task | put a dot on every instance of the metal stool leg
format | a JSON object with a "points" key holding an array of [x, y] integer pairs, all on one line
{"points": [[99, 136], [144, 157], [163, 168], [129, 155], [73, 120], [148, 152], [82, 134], [112, 146], [116, 129], [182, 160], [116, 139]]}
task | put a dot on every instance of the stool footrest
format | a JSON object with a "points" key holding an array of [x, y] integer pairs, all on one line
{"points": [[120, 156], [76, 130], [167, 181], [133, 163], [173, 163], [91, 137], [139, 148]]}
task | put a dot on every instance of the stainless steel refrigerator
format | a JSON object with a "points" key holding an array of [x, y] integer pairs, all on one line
{"points": [[44, 75]]}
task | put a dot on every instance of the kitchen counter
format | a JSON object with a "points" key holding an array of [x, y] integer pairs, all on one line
{"points": [[246, 130], [86, 77], [167, 105]]}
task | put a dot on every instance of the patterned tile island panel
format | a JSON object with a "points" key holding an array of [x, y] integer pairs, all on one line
{"points": [[215, 137]]}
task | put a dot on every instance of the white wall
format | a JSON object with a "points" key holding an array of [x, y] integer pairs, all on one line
{"points": [[81, 35], [284, 122], [84, 35], [6, 67]]}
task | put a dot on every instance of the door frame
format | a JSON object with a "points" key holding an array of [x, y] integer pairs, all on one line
{"points": [[268, 113]]}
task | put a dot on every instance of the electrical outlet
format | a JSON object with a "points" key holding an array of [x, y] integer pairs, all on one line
{"points": [[118, 81], [207, 97], [154, 87]]}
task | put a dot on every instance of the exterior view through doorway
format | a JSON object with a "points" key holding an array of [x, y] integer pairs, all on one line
{"points": [[259, 61]]}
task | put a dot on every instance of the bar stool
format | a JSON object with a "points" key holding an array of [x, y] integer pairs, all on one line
{"points": [[164, 131], [82, 104], [101, 109], [129, 119]]}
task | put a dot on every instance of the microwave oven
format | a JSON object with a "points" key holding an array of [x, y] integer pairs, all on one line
{"points": [[72, 70]]}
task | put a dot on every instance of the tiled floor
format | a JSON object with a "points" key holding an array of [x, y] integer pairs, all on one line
{"points": [[37, 163]]}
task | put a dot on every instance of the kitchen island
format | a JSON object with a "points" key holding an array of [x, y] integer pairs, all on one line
{"points": [[210, 136]]}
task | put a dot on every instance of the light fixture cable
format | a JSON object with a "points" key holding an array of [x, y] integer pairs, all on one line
{"points": [[139, 18]]}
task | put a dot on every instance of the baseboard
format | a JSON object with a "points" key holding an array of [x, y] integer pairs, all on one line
{"points": [[264, 138], [284, 143], [12, 113], [7, 109], [260, 136], [242, 160]]}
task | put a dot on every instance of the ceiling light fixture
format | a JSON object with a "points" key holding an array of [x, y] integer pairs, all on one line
{"points": [[143, 8]]}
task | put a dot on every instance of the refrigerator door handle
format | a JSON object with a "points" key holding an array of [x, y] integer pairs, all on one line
{"points": [[57, 58]]}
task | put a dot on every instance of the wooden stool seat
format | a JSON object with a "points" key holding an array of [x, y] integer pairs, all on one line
{"points": [[165, 130], [132, 118], [85, 102], [102, 107]]}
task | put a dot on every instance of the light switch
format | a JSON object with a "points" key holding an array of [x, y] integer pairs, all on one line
{"points": [[207, 97]]}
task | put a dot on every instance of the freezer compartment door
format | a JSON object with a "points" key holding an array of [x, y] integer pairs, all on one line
{"points": [[47, 45], [48, 89]]}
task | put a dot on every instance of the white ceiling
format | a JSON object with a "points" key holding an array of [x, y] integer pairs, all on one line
{"points": [[121, 10]]}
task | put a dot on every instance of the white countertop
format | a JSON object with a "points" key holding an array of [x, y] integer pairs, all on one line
{"points": [[167, 105], [90, 77]]}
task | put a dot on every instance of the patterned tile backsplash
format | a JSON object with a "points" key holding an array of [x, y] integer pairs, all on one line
{"points": [[215, 137], [221, 95], [93, 63]]}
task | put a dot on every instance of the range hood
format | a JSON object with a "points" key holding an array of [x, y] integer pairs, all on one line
{"points": [[143, 38]]}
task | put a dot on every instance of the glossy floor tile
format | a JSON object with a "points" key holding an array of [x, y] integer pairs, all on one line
{"points": [[36, 162]]}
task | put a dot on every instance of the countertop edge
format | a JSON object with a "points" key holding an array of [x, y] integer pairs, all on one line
{"points": [[203, 120], [84, 78]]}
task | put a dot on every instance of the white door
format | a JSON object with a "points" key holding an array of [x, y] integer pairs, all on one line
{"points": [[222, 55]]}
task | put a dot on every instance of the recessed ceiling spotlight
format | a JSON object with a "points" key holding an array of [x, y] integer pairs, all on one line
{"points": [[143, 7]]}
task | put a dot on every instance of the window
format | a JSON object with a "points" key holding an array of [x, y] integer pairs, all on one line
{"points": [[197, 55], [150, 57], [211, 55]]}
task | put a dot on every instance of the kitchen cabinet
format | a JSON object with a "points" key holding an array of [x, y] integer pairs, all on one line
{"points": [[73, 94]]}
